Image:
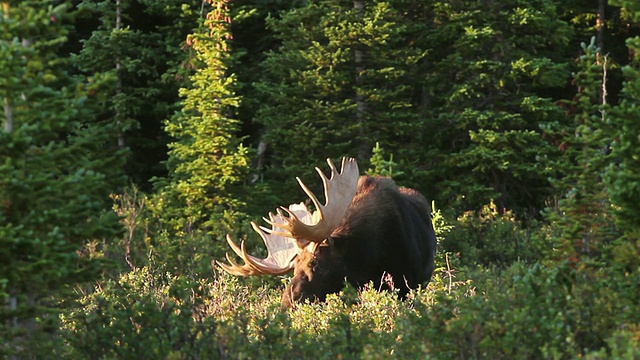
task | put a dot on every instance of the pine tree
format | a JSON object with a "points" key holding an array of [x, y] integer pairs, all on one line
{"points": [[337, 85], [54, 185], [583, 215], [490, 74], [624, 176], [207, 161], [133, 57], [381, 166]]}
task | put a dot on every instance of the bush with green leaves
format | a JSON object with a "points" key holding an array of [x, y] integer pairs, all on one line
{"points": [[493, 236], [157, 316], [522, 311]]}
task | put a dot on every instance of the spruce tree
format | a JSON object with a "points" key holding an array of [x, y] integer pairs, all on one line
{"points": [[489, 77], [207, 161], [54, 184], [133, 57], [624, 176], [342, 79], [583, 216]]}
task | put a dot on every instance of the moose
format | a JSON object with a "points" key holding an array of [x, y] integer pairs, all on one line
{"points": [[368, 230]]}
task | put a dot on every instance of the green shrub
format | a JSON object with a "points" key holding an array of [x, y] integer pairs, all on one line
{"points": [[508, 311], [145, 314], [523, 312], [494, 237], [526, 312]]}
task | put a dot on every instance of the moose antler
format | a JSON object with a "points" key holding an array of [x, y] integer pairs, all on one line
{"points": [[281, 250], [339, 191], [289, 235]]}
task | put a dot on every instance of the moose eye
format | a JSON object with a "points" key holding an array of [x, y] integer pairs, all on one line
{"points": [[313, 265], [304, 277]]}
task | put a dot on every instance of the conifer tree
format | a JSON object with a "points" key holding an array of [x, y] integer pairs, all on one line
{"points": [[207, 161], [489, 78], [133, 57], [583, 215], [54, 184], [342, 79], [624, 176]]}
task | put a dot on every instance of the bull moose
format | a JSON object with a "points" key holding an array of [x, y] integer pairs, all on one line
{"points": [[368, 230]]}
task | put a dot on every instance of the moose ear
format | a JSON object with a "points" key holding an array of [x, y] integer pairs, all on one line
{"points": [[313, 246], [309, 246]]}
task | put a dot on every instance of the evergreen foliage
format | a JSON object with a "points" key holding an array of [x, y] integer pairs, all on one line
{"points": [[134, 61], [207, 161], [624, 177], [381, 166], [489, 76], [55, 179], [338, 84], [584, 211], [490, 237]]}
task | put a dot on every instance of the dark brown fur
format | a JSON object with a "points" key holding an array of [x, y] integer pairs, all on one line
{"points": [[386, 231]]}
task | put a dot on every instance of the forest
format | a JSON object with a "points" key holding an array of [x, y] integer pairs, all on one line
{"points": [[137, 134]]}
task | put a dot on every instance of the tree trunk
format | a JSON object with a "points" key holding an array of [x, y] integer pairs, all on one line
{"points": [[260, 161], [600, 25], [118, 111], [8, 115], [361, 104], [8, 108]]}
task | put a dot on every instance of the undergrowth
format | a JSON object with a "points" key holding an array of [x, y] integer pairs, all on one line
{"points": [[512, 309], [528, 312]]}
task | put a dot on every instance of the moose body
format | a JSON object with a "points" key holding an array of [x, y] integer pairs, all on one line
{"points": [[377, 232], [386, 231]]}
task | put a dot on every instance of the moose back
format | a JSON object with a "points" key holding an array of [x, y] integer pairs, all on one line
{"points": [[368, 230]]}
